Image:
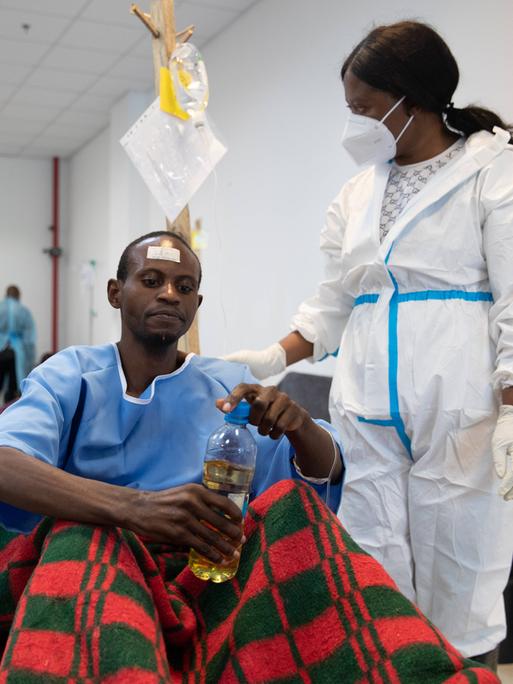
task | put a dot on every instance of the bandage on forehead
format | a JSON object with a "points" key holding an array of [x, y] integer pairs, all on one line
{"points": [[160, 252]]}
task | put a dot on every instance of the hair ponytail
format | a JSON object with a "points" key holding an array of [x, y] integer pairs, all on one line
{"points": [[473, 119]]}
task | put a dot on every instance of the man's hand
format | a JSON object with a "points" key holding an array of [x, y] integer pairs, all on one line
{"points": [[502, 449], [190, 516], [275, 414], [272, 411]]}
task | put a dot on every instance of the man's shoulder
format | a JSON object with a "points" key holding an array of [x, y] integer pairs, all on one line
{"points": [[228, 373], [80, 359]]}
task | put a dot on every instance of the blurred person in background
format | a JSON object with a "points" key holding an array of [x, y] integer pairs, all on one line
{"points": [[17, 343]]}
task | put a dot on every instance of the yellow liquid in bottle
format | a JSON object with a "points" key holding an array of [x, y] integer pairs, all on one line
{"points": [[233, 481]]}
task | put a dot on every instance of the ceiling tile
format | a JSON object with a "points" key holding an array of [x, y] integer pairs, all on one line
{"points": [[19, 52], [29, 113], [43, 96], [13, 73], [71, 131], [207, 20], [20, 125], [16, 138], [37, 154], [74, 59], [60, 80], [199, 39], [115, 87], [30, 153], [8, 150], [111, 12], [6, 90], [136, 68], [59, 144], [68, 8], [143, 47], [43, 28], [91, 102], [74, 116], [105, 37], [45, 140], [50, 148], [234, 5]]}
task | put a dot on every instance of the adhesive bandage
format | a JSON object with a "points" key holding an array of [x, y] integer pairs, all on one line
{"points": [[167, 253]]}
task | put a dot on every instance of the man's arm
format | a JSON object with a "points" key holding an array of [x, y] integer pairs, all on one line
{"points": [[175, 516], [275, 414]]}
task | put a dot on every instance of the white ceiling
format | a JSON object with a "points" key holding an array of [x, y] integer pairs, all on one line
{"points": [[60, 77]]}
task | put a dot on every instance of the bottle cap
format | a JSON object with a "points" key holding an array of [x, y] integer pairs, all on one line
{"points": [[240, 414]]}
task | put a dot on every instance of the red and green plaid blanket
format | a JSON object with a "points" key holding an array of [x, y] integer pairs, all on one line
{"points": [[82, 604]]}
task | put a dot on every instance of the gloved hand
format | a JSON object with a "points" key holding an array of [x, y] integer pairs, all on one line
{"points": [[502, 449], [263, 363]]}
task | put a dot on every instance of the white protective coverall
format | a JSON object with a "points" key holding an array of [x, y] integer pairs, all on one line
{"points": [[424, 322]]}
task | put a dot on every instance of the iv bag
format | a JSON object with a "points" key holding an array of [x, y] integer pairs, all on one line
{"points": [[190, 79], [173, 156]]}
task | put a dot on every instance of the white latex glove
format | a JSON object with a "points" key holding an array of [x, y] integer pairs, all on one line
{"points": [[502, 449], [263, 363]]}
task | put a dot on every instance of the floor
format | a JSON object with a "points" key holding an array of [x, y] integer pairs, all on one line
{"points": [[506, 674]]}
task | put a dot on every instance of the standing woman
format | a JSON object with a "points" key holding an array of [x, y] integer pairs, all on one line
{"points": [[418, 297]]}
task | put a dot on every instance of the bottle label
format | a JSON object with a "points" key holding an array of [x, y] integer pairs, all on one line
{"points": [[240, 499]]}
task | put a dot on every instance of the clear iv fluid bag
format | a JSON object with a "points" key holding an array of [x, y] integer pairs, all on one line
{"points": [[190, 79]]}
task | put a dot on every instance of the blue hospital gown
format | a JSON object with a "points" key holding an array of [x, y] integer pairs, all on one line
{"points": [[74, 413]]}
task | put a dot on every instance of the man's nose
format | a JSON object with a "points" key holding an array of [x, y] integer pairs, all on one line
{"points": [[168, 292]]}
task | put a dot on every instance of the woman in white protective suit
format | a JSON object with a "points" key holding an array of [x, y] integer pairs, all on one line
{"points": [[418, 297]]}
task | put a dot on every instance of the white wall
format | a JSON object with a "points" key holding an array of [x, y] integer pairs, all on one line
{"points": [[25, 217], [277, 100], [89, 221], [109, 206]]}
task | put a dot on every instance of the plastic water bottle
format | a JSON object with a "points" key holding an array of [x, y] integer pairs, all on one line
{"points": [[228, 469]]}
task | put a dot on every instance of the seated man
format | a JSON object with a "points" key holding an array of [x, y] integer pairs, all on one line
{"points": [[107, 443]]}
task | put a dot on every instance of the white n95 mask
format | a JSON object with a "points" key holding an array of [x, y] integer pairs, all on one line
{"points": [[369, 141]]}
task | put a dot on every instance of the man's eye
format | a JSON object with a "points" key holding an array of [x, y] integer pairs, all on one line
{"points": [[150, 282], [185, 289]]}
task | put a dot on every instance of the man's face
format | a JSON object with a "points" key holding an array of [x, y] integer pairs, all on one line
{"points": [[159, 298]]}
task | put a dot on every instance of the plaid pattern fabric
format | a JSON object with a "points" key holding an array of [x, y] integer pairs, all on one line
{"points": [[82, 604]]}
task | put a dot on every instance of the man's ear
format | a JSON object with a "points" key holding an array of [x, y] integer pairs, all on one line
{"points": [[200, 299], [114, 293]]}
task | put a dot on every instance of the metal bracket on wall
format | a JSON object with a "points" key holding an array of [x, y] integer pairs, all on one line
{"points": [[53, 251]]}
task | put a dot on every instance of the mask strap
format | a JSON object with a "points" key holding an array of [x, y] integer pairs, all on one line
{"points": [[406, 124], [405, 127], [393, 108]]}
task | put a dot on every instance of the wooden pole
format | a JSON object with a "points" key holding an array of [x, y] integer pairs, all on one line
{"points": [[161, 24]]}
